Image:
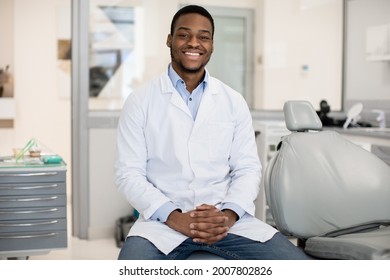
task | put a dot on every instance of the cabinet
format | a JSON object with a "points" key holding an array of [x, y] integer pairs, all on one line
{"points": [[32, 210]]}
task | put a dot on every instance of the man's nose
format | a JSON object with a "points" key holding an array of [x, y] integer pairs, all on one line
{"points": [[193, 41]]}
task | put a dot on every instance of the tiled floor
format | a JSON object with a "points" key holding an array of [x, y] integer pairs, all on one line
{"points": [[99, 249]]}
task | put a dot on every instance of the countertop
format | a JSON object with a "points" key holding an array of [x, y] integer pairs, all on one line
{"points": [[376, 137], [362, 132]]}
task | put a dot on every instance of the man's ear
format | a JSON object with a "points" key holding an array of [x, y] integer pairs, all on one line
{"points": [[169, 41]]}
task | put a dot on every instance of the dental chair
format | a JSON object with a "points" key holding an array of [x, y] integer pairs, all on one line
{"points": [[329, 193]]}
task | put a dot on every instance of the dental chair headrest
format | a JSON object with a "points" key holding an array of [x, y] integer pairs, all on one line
{"points": [[301, 116]]}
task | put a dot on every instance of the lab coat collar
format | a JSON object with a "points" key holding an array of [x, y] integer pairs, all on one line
{"points": [[207, 104]]}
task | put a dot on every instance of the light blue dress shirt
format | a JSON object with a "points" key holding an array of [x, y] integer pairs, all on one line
{"points": [[192, 99]]}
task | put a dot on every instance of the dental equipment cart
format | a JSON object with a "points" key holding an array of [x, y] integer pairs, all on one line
{"points": [[33, 216]]}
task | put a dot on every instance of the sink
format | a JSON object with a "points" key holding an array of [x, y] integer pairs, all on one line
{"points": [[370, 129]]}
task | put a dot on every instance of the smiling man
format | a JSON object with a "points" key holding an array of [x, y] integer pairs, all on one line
{"points": [[191, 44], [187, 160]]}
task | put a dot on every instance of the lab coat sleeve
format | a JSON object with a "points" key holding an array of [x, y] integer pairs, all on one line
{"points": [[131, 159], [244, 162]]}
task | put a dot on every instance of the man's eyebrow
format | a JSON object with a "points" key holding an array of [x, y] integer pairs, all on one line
{"points": [[188, 29]]}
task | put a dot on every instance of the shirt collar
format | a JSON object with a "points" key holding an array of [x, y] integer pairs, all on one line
{"points": [[176, 79]]}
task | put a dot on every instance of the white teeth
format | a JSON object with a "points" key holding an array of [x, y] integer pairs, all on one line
{"points": [[195, 54]]}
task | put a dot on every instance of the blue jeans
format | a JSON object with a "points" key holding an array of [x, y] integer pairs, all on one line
{"points": [[232, 247]]}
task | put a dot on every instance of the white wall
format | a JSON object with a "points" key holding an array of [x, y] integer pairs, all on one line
{"points": [[366, 80], [106, 205], [298, 33]]}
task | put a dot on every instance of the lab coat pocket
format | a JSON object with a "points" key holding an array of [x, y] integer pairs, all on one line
{"points": [[220, 140]]}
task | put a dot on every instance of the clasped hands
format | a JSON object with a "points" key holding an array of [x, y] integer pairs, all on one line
{"points": [[205, 224]]}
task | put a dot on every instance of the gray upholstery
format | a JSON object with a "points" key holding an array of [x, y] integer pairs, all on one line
{"points": [[369, 245], [301, 116], [319, 183]]}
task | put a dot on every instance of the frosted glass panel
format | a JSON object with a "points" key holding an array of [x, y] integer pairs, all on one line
{"points": [[232, 58], [228, 60], [112, 54]]}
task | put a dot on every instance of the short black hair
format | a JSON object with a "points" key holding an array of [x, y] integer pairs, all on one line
{"points": [[192, 9]]}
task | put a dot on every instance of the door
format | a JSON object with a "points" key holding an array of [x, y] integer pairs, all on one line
{"points": [[232, 59]]}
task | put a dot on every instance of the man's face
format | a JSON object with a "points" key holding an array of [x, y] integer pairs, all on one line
{"points": [[191, 43]]}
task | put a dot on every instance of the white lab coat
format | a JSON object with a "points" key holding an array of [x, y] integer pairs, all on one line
{"points": [[164, 155]]}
